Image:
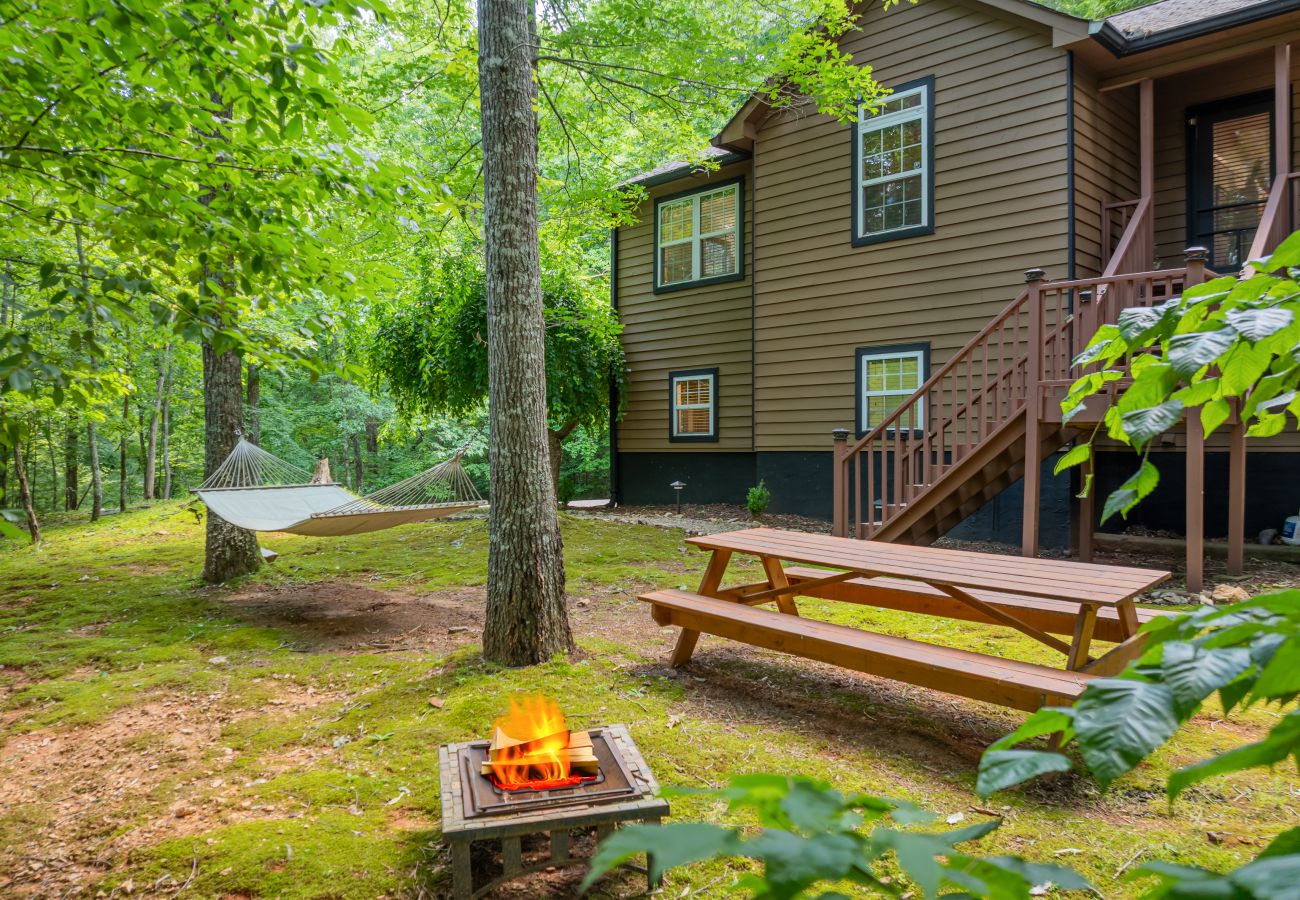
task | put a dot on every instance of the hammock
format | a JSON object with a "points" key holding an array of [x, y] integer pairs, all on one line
{"points": [[258, 491]]}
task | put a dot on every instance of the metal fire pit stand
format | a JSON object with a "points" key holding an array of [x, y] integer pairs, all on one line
{"points": [[461, 830]]}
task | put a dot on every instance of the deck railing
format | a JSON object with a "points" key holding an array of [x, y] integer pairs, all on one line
{"points": [[1024, 356]]}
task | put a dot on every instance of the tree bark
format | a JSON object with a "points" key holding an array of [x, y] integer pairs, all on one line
{"points": [[254, 403], [555, 448], [71, 466], [322, 473], [54, 467], [526, 621], [359, 462], [96, 473], [25, 494], [229, 551], [155, 420], [121, 454], [167, 443]]}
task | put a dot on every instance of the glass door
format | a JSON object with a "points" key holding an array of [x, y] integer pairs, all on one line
{"points": [[1231, 173]]}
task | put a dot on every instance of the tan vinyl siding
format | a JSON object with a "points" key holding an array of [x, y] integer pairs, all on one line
{"points": [[691, 328], [1105, 161], [1000, 208]]}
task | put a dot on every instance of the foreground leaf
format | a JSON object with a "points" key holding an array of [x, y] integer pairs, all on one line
{"points": [[1118, 722]]}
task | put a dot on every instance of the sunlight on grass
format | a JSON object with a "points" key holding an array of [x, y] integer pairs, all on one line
{"points": [[320, 776]]}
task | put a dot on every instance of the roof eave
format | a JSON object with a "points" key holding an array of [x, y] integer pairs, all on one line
{"points": [[685, 170], [1120, 44]]}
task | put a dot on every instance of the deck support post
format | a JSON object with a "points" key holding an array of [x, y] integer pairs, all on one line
{"points": [[1085, 506], [1146, 137], [1034, 279], [1236, 495], [1195, 261], [840, 482]]}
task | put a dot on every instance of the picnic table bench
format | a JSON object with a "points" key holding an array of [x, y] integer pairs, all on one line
{"points": [[1041, 598]]}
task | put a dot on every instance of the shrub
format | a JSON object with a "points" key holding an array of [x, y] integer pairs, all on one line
{"points": [[757, 500]]}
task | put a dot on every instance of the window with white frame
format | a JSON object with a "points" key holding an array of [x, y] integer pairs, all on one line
{"points": [[887, 378], [698, 237], [694, 395], [893, 165]]}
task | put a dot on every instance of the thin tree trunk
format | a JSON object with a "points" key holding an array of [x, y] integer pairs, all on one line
{"points": [[155, 419], [230, 551], [25, 494], [167, 444], [526, 621], [54, 467], [96, 473], [254, 403], [71, 466], [555, 452], [359, 463], [121, 454]]}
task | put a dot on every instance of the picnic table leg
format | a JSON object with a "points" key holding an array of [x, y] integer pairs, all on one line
{"points": [[776, 577], [709, 585], [1083, 629]]}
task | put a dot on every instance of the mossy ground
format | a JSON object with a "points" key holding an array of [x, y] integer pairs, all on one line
{"points": [[159, 736]]}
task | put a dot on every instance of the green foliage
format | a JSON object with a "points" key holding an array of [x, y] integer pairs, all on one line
{"points": [[1232, 342], [757, 499], [432, 352], [811, 834], [1246, 653]]}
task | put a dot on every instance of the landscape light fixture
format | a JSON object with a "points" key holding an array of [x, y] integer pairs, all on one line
{"points": [[677, 486]]}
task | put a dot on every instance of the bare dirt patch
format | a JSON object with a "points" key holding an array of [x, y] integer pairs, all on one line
{"points": [[349, 617], [77, 801]]}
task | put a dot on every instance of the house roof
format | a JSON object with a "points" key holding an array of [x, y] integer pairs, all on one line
{"points": [[1170, 21], [680, 168]]}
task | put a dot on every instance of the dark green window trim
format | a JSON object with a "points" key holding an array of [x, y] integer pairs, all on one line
{"points": [[739, 274], [856, 238]]}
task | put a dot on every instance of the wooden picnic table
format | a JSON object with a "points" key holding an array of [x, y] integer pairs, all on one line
{"points": [[1039, 597]]}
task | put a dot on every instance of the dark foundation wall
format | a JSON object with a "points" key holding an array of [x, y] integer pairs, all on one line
{"points": [[1272, 491], [800, 483]]}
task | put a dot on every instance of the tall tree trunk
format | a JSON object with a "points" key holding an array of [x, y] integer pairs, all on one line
{"points": [[229, 551], [121, 454], [54, 467], [96, 473], [254, 404], [155, 419], [359, 463], [72, 466], [167, 443], [25, 494], [526, 621]]}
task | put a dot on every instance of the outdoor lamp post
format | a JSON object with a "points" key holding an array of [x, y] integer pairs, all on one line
{"points": [[677, 486]]}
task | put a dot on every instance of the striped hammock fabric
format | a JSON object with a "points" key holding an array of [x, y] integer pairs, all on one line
{"points": [[256, 490]]}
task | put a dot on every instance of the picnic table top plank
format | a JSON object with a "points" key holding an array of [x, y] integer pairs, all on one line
{"points": [[1051, 579]]}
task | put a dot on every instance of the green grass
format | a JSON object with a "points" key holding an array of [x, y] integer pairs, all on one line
{"points": [[339, 797]]}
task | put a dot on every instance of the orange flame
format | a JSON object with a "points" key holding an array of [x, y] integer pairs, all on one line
{"points": [[535, 752]]}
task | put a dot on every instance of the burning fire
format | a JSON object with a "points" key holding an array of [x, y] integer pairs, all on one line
{"points": [[532, 747]]}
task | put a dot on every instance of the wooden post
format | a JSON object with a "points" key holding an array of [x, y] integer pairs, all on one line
{"points": [[1086, 517], [840, 482], [1195, 503], [1236, 495], [1034, 278], [1282, 108], [1146, 138]]}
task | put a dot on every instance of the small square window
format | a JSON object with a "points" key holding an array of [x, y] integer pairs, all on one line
{"points": [[693, 405], [887, 377]]}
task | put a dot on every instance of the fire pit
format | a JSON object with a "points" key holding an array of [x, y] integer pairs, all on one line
{"points": [[546, 781]]}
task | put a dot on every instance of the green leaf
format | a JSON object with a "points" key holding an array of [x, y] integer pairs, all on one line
{"points": [[1282, 741], [1078, 454], [1257, 324], [1285, 256], [1132, 491], [1190, 352], [1141, 425], [1001, 769], [1286, 843], [1214, 414], [1118, 722], [667, 846], [1194, 673], [1281, 676]]}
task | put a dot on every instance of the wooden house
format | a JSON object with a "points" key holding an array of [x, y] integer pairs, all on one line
{"points": [[877, 319]]}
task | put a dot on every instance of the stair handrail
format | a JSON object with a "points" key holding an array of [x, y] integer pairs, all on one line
{"points": [[1275, 222]]}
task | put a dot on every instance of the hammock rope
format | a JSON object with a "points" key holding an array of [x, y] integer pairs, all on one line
{"points": [[257, 490]]}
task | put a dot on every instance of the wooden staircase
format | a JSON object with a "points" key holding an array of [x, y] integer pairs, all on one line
{"points": [[966, 434]]}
